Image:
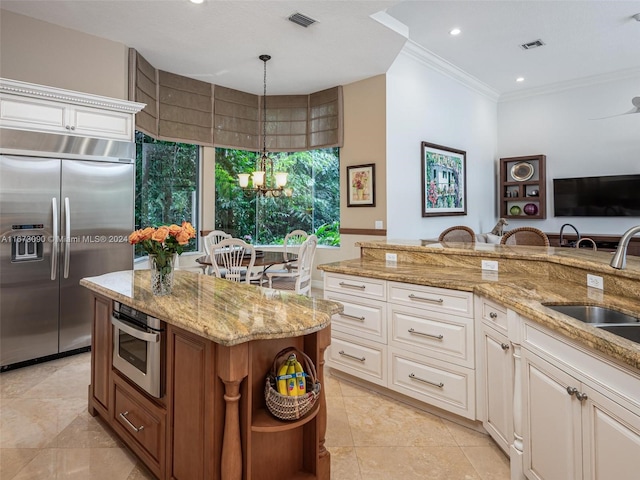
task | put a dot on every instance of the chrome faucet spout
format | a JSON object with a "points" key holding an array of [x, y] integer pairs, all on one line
{"points": [[619, 259], [562, 238]]}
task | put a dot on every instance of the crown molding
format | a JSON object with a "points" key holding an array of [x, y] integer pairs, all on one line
{"points": [[439, 64], [570, 84], [67, 96]]}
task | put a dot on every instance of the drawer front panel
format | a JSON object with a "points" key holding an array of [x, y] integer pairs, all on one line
{"points": [[493, 314], [365, 361], [440, 384], [431, 298], [131, 415], [361, 316], [445, 337], [360, 286]]}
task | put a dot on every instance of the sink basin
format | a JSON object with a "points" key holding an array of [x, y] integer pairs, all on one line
{"points": [[629, 331], [595, 315]]}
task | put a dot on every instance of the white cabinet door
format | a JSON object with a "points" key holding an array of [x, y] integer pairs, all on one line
{"points": [[93, 122], [552, 422], [496, 389], [611, 439], [32, 114]]}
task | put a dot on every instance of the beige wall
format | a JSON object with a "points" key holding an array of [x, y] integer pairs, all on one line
{"points": [[364, 143], [46, 54]]}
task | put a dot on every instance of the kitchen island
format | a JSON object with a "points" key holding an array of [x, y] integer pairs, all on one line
{"points": [[219, 341]]}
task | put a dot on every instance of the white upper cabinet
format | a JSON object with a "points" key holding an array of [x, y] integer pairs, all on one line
{"points": [[25, 106]]}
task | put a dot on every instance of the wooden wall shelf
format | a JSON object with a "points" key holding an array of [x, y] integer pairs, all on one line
{"points": [[522, 184]]}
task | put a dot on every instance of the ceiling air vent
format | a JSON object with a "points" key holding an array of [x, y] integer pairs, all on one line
{"points": [[301, 20], [530, 45]]}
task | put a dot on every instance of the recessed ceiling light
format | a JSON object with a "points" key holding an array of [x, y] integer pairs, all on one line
{"points": [[455, 31], [520, 79], [196, 1]]}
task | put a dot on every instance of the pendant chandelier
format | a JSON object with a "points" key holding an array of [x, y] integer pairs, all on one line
{"points": [[264, 180]]}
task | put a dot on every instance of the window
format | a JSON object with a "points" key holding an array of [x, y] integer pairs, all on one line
{"points": [[166, 184], [314, 207]]}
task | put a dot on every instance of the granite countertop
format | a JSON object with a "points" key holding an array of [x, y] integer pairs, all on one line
{"points": [[524, 293], [225, 312]]}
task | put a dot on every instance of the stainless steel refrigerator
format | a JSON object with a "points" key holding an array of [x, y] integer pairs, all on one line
{"points": [[64, 215]]}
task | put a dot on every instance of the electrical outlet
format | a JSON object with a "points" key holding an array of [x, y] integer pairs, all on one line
{"points": [[379, 224], [491, 265], [595, 281], [391, 257]]}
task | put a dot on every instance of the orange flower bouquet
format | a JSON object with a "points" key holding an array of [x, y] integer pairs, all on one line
{"points": [[163, 244]]}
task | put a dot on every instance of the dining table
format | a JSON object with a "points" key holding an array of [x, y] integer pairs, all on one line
{"points": [[265, 259]]}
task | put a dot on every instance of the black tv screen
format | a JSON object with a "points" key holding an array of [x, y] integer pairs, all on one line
{"points": [[609, 196]]}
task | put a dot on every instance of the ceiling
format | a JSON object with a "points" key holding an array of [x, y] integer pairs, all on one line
{"points": [[220, 41]]}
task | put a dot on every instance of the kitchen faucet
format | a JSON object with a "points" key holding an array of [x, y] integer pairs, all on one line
{"points": [[619, 259], [577, 233]]}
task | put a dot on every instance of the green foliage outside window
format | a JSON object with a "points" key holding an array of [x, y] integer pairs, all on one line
{"points": [[314, 207], [166, 185]]}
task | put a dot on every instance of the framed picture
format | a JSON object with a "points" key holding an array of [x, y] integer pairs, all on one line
{"points": [[361, 185], [444, 182]]}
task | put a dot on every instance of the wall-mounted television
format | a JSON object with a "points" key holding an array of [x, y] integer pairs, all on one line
{"points": [[608, 196]]}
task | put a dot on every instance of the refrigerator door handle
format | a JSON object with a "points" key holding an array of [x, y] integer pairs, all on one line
{"points": [[67, 236], [54, 248]]}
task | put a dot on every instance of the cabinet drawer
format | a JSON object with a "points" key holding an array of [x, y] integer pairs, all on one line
{"points": [[363, 360], [132, 411], [361, 316], [437, 383], [360, 286], [432, 298], [439, 335], [493, 314]]}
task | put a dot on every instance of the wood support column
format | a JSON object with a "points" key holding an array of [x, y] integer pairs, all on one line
{"points": [[233, 367]]}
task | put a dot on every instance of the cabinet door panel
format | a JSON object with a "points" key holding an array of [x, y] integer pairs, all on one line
{"points": [[552, 422], [497, 390], [611, 439]]}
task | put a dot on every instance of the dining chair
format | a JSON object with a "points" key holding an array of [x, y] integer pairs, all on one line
{"points": [[210, 239], [291, 246], [458, 233], [299, 279], [525, 236], [229, 260]]}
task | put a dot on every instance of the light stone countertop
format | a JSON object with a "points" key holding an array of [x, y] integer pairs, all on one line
{"points": [[523, 291], [225, 312]]}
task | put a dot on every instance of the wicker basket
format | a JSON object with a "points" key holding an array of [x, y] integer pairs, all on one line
{"points": [[283, 406]]}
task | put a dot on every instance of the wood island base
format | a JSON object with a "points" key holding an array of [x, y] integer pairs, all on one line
{"points": [[211, 422]]}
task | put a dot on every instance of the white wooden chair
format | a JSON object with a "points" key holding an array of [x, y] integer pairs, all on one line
{"points": [[228, 257], [212, 238], [299, 279]]}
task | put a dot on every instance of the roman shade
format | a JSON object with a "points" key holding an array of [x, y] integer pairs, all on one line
{"points": [[182, 109]]}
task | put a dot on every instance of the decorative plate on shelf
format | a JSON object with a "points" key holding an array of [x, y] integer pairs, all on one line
{"points": [[522, 171], [515, 210]]}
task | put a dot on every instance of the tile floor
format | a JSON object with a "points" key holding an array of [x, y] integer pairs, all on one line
{"points": [[46, 433]]}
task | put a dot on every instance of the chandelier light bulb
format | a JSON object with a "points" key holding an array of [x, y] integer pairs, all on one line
{"points": [[258, 179], [244, 180], [281, 179]]}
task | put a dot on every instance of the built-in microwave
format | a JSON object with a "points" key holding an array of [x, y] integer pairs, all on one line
{"points": [[138, 348]]}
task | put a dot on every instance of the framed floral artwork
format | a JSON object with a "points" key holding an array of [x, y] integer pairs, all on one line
{"points": [[444, 183], [361, 183]]}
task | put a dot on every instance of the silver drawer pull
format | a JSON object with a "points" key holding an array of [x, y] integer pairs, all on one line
{"points": [[413, 377], [123, 416], [425, 299], [415, 332], [360, 359], [351, 317], [350, 285], [493, 315]]}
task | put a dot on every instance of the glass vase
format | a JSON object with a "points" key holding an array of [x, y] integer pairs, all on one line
{"points": [[161, 268]]}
